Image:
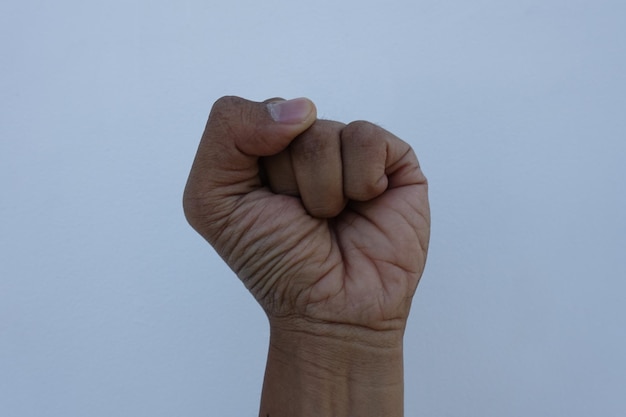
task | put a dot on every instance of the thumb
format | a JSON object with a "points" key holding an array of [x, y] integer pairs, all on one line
{"points": [[258, 129], [237, 133]]}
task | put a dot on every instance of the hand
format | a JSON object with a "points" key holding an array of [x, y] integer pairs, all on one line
{"points": [[333, 231], [328, 226]]}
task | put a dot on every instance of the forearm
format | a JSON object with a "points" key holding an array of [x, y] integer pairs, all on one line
{"points": [[323, 376]]}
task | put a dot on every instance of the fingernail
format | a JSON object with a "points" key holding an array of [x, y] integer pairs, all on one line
{"points": [[291, 111]]}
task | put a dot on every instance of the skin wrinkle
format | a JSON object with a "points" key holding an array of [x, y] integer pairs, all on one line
{"points": [[413, 225], [306, 297], [416, 227], [383, 294], [375, 261], [341, 331], [371, 221], [285, 296], [214, 224], [242, 231], [262, 285], [266, 269], [327, 272], [335, 247], [214, 206], [313, 366], [419, 218], [278, 266], [349, 276], [253, 239], [306, 292], [221, 182]]}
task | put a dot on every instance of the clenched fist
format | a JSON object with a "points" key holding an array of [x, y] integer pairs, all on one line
{"points": [[326, 224]]}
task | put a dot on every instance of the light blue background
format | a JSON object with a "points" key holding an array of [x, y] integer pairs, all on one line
{"points": [[110, 305]]}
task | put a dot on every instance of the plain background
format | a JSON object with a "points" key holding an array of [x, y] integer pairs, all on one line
{"points": [[110, 305]]}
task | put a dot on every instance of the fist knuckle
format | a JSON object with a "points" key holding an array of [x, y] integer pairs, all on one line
{"points": [[309, 146], [229, 113], [359, 129], [226, 102]]}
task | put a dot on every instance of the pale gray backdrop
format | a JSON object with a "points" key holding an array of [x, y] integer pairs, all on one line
{"points": [[110, 305]]}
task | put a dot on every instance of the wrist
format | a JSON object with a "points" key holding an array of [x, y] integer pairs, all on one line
{"points": [[333, 370]]}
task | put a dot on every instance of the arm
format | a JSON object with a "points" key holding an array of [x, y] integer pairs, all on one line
{"points": [[330, 235], [322, 375]]}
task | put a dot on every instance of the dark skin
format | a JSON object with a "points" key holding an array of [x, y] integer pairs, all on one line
{"points": [[328, 226]]}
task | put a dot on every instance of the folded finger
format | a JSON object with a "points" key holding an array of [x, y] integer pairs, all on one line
{"points": [[317, 167]]}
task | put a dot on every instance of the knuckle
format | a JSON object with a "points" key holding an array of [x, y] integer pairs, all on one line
{"points": [[226, 102], [309, 145], [359, 129], [319, 140], [228, 111]]}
